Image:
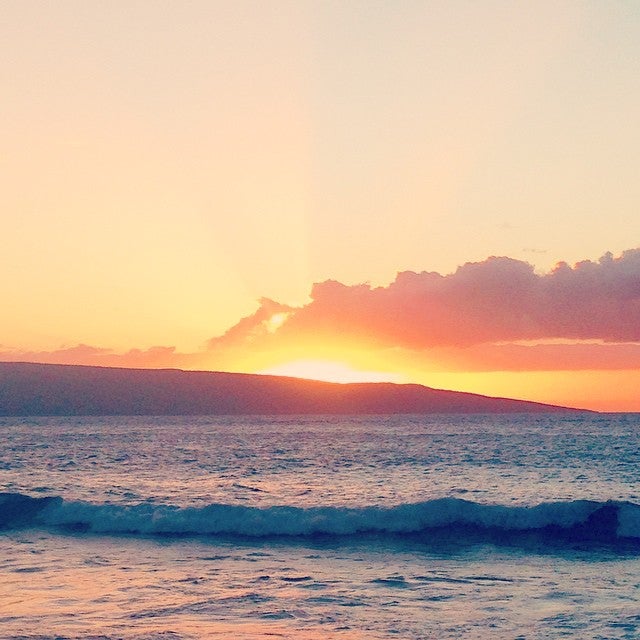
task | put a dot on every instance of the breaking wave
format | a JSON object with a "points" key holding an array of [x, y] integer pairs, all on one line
{"points": [[578, 519]]}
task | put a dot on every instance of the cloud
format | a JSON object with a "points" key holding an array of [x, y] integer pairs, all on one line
{"points": [[153, 358], [269, 317], [537, 357], [492, 315], [498, 300]]}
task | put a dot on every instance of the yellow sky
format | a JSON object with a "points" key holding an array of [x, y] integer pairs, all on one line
{"points": [[165, 164]]}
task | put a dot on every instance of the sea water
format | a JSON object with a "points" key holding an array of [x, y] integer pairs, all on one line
{"points": [[518, 526]]}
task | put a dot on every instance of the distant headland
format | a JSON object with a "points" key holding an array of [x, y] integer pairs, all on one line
{"points": [[31, 389]]}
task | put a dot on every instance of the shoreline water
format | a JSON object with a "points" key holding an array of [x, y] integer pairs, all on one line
{"points": [[82, 587], [135, 528]]}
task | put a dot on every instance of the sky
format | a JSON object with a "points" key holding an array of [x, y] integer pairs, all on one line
{"points": [[435, 192]]}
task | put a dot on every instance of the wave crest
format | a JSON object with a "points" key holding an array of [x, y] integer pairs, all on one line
{"points": [[579, 519]]}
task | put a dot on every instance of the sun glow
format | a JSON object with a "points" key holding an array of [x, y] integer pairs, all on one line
{"points": [[276, 321], [328, 371]]}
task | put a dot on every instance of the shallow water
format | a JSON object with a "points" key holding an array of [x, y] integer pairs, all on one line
{"points": [[136, 545]]}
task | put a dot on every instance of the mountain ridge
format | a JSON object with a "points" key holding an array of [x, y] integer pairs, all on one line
{"points": [[37, 389]]}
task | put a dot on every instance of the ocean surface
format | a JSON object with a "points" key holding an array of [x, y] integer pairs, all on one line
{"points": [[409, 527]]}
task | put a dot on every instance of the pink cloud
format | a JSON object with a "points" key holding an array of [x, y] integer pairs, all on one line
{"points": [[253, 327], [467, 321], [537, 357], [152, 358], [497, 300]]}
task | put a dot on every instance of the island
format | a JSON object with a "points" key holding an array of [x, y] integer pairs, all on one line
{"points": [[33, 389]]}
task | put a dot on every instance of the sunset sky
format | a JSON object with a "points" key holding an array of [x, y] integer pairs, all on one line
{"points": [[436, 192]]}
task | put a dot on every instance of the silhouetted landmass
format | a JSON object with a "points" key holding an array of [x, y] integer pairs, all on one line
{"points": [[28, 389]]}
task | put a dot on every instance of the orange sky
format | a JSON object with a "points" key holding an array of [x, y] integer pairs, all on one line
{"points": [[208, 185]]}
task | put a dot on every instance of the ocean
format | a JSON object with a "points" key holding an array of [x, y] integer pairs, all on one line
{"points": [[321, 527]]}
